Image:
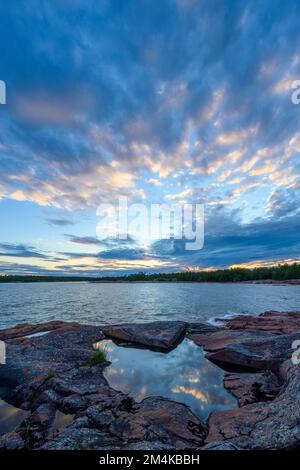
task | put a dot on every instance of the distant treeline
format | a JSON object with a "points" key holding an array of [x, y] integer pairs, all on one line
{"points": [[9, 278], [282, 272]]}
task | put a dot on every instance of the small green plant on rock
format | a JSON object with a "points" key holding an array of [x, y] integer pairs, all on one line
{"points": [[51, 374], [97, 357], [79, 446]]}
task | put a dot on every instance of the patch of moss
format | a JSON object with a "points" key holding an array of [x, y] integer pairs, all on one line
{"points": [[51, 374], [34, 396], [97, 357], [79, 446]]}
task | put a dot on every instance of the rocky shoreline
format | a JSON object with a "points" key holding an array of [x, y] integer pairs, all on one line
{"points": [[287, 282], [49, 373]]}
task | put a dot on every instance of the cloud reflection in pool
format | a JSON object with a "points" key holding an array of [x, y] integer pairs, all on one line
{"points": [[182, 375]]}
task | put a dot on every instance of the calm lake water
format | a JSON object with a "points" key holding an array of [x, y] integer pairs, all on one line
{"points": [[139, 302]]}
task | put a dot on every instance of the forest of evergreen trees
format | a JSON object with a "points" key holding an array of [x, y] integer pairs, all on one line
{"points": [[281, 272], [277, 273]]}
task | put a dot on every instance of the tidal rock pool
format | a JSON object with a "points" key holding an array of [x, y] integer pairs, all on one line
{"points": [[183, 375], [10, 417]]}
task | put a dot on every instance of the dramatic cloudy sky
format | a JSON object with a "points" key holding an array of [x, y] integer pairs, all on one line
{"points": [[170, 101]]}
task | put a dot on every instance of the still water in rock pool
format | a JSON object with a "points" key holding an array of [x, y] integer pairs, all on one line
{"points": [[183, 375], [10, 417]]}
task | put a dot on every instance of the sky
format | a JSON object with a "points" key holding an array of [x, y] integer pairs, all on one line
{"points": [[166, 102]]}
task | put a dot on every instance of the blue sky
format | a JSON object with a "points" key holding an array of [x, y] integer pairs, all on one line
{"points": [[176, 101]]}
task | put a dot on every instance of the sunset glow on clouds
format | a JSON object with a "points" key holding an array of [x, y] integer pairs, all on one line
{"points": [[175, 101]]}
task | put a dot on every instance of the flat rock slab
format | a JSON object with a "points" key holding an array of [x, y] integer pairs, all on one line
{"points": [[161, 336], [201, 328], [252, 388], [261, 354], [273, 425], [33, 361], [220, 339], [273, 322], [158, 418], [26, 329]]}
